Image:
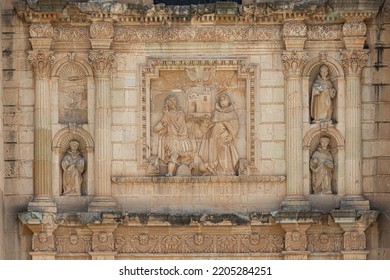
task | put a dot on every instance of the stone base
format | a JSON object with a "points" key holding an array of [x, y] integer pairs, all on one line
{"points": [[354, 203], [42, 204], [43, 255], [295, 203], [295, 255], [355, 255], [103, 255], [102, 204]]}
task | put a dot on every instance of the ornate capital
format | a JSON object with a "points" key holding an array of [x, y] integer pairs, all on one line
{"points": [[101, 30], [353, 61], [103, 62], [294, 29], [294, 62], [354, 29], [41, 30], [42, 62]]}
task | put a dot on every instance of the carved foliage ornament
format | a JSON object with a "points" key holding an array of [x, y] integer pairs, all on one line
{"points": [[101, 30], [325, 32], [294, 62], [73, 244], [68, 33], [103, 62], [294, 29], [354, 241], [354, 29], [42, 62], [41, 30], [296, 241], [325, 242], [102, 241], [43, 241], [353, 61]]}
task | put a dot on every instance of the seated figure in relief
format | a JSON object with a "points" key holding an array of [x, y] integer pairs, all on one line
{"points": [[322, 165], [73, 166], [323, 92], [175, 148], [223, 156]]}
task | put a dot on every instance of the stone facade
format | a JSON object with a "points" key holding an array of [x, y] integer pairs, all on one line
{"points": [[210, 131]]}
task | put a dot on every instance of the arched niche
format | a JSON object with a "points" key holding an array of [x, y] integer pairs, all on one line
{"points": [[60, 146], [336, 76], [311, 142]]}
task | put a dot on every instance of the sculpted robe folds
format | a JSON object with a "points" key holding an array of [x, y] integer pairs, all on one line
{"points": [[322, 165], [223, 155], [73, 166], [321, 103]]}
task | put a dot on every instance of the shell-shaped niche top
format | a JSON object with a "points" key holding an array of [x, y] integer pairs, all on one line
{"points": [[72, 72]]}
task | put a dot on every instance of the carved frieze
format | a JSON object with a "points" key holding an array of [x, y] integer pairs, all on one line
{"points": [[43, 241], [197, 34], [70, 33], [73, 243], [296, 241], [103, 63], [102, 241], [199, 243], [101, 30], [294, 62], [294, 29], [42, 62], [354, 29], [41, 30], [354, 241], [353, 61], [325, 242], [324, 32]]}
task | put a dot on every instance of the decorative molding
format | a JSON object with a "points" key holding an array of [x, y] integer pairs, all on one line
{"points": [[62, 138], [101, 30], [41, 30], [294, 29], [325, 242], [197, 34], [198, 179], [353, 61], [102, 241], [70, 33], [103, 63], [73, 243], [296, 241], [42, 62], [354, 241], [325, 32], [43, 241], [354, 29], [294, 62]]}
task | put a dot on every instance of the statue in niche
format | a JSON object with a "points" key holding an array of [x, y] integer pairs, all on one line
{"points": [[73, 166], [323, 92], [174, 147], [223, 156], [322, 165]]}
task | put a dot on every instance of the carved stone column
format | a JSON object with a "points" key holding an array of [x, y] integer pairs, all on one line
{"points": [[294, 62], [354, 225], [2, 237], [103, 241], [353, 62], [42, 60], [103, 63]]}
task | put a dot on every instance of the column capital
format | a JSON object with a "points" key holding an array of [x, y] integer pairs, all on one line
{"points": [[103, 62], [42, 62], [354, 34], [294, 62], [353, 61]]}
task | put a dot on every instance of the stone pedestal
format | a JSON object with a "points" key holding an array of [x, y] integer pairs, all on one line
{"points": [[43, 255], [295, 255]]}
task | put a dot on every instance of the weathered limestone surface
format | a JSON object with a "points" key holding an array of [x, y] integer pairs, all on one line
{"points": [[2, 216], [105, 85]]}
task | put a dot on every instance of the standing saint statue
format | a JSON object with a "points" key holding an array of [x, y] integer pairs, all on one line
{"points": [[223, 156], [73, 166], [322, 165], [323, 92], [175, 147]]}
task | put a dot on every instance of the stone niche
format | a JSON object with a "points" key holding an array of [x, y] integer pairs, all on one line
{"points": [[194, 128]]}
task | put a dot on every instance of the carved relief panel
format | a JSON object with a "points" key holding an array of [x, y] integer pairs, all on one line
{"points": [[198, 117]]}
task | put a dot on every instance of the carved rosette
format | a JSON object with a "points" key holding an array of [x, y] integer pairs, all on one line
{"points": [[294, 29], [41, 30], [354, 241], [354, 29], [296, 241], [353, 61], [103, 63], [43, 241], [101, 30], [42, 62], [294, 62]]}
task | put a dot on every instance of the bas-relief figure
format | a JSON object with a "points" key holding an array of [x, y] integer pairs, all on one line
{"points": [[214, 154], [322, 165], [73, 166], [323, 92]]}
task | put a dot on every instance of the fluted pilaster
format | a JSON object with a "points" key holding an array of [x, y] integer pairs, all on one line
{"points": [[294, 62], [103, 64], [353, 62], [42, 61]]}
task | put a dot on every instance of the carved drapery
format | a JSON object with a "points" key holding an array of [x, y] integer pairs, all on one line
{"points": [[294, 63]]}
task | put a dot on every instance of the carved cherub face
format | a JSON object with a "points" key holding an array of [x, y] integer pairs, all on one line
{"points": [[42, 236], [73, 239], [324, 71], [103, 237]]}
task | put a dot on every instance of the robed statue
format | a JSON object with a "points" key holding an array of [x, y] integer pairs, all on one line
{"points": [[73, 166], [322, 165]]}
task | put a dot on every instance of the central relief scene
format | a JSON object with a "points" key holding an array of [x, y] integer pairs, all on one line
{"points": [[198, 118]]}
